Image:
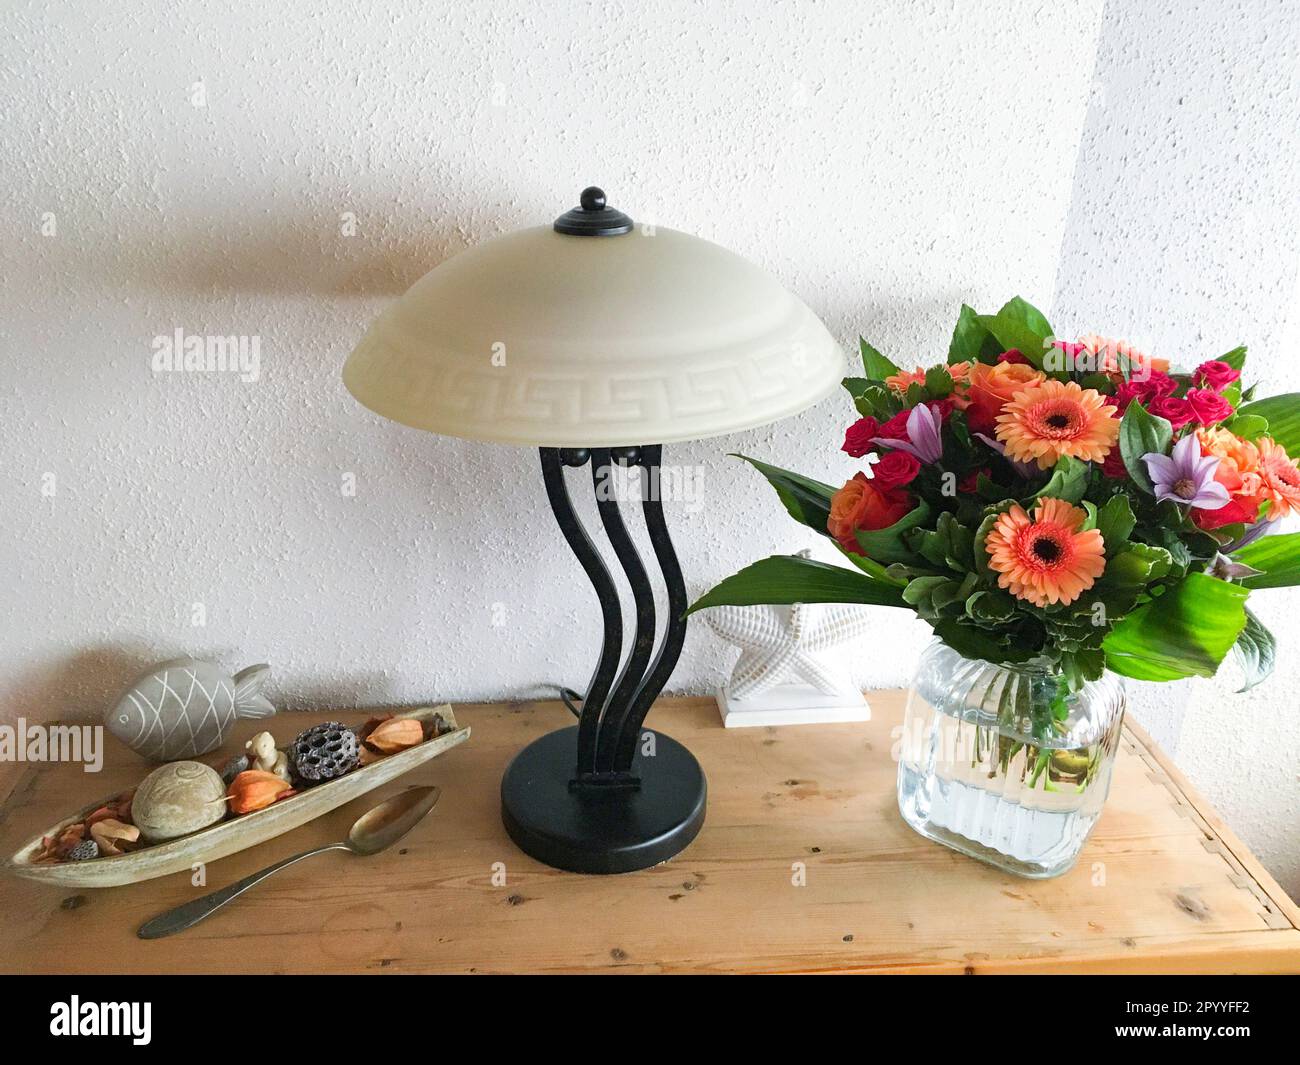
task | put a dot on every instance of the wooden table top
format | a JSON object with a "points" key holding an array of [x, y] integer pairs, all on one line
{"points": [[1163, 885]]}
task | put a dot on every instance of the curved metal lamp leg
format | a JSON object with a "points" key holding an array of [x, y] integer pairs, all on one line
{"points": [[593, 703], [622, 727], [598, 815], [643, 601]]}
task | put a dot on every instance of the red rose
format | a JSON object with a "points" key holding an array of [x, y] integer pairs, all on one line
{"points": [[1177, 412], [858, 437], [1014, 356], [942, 407], [1215, 375], [894, 469], [1157, 386], [969, 484], [1238, 509], [1113, 466], [896, 427], [1208, 407], [861, 505]]}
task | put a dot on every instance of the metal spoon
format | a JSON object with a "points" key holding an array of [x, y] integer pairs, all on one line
{"points": [[374, 830]]}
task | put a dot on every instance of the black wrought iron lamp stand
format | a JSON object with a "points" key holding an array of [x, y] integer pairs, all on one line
{"points": [[609, 796]]}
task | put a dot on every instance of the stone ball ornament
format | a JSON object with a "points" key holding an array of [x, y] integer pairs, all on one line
{"points": [[176, 799]]}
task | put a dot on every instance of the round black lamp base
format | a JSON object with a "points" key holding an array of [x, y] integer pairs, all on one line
{"points": [[602, 829]]}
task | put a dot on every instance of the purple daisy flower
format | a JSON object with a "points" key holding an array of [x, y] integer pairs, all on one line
{"points": [[1186, 476]]}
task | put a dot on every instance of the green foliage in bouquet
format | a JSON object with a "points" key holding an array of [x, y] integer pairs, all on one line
{"points": [[1073, 506]]}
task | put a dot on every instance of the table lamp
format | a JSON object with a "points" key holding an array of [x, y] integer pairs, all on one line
{"points": [[585, 338]]}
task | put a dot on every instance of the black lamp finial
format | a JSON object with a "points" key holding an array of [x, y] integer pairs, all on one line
{"points": [[593, 217]]}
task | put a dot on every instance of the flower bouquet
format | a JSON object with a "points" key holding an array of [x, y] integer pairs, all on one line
{"points": [[1062, 514]]}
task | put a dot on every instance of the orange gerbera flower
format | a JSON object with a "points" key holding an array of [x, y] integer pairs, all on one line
{"points": [[958, 371], [1279, 479], [1045, 559], [1057, 418]]}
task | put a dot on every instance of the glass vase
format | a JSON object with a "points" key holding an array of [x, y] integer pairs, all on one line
{"points": [[1002, 764]]}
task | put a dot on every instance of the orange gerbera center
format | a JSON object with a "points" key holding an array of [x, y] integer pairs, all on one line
{"points": [[1055, 418], [1045, 559]]}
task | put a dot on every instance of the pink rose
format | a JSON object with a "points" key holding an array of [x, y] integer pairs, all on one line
{"points": [[858, 437], [1015, 357], [1215, 375], [1177, 412], [1208, 407]]}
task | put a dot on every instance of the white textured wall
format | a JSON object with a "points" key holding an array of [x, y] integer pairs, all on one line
{"points": [[886, 161], [1184, 234]]}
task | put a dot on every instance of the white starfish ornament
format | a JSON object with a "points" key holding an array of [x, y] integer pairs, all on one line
{"points": [[793, 665]]}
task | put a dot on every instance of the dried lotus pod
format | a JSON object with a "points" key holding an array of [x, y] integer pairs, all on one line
{"points": [[324, 752]]}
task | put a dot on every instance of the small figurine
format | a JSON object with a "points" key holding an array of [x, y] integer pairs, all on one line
{"points": [[186, 708], [263, 755]]}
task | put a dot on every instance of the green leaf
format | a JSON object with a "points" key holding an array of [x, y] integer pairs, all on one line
{"points": [[877, 367], [1283, 416], [1255, 651], [1138, 564], [948, 544], [938, 382], [888, 545], [1141, 432], [1069, 480], [1276, 556], [971, 642], [1083, 665], [1185, 633], [806, 500], [991, 607], [967, 338], [786, 579], [870, 567], [1115, 521], [1014, 332], [855, 386], [1248, 426], [978, 548], [876, 400], [1024, 311], [1236, 358]]}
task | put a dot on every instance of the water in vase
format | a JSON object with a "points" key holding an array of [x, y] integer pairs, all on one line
{"points": [[989, 768]]}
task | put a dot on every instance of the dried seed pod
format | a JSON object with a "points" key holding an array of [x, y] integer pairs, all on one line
{"points": [[254, 789], [395, 734], [324, 752], [84, 850], [111, 835]]}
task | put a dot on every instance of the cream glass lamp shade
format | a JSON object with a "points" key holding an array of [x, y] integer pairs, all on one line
{"points": [[547, 338]]}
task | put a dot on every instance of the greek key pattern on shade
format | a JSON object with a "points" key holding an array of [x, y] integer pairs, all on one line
{"points": [[539, 404]]}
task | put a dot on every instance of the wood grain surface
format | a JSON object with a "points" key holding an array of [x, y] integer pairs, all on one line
{"points": [[803, 865]]}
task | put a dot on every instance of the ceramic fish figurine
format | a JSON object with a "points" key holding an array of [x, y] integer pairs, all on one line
{"points": [[185, 708]]}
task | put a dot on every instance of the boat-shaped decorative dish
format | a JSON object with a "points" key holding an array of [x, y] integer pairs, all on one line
{"points": [[235, 833]]}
